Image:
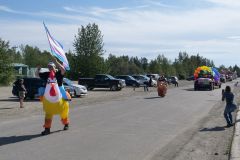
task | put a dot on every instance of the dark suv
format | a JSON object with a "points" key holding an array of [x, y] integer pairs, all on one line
{"points": [[129, 80], [31, 85]]}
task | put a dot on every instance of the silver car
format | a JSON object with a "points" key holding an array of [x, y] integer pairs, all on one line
{"points": [[144, 80], [78, 90]]}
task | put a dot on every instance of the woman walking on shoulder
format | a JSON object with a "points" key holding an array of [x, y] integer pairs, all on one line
{"points": [[230, 106]]}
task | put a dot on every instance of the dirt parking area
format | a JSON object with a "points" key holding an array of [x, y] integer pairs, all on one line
{"points": [[9, 105]]}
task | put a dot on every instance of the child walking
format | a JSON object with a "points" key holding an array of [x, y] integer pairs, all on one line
{"points": [[230, 106], [21, 92]]}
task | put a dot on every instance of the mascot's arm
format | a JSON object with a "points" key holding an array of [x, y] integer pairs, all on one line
{"points": [[59, 66]]}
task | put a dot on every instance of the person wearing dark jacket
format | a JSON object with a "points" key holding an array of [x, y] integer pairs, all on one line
{"points": [[230, 106], [150, 81], [21, 92]]}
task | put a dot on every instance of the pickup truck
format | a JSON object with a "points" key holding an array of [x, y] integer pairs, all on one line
{"points": [[102, 81]]}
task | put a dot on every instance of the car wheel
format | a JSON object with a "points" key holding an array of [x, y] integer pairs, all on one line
{"points": [[113, 88], [211, 87], [31, 97], [86, 86], [75, 94], [195, 87]]}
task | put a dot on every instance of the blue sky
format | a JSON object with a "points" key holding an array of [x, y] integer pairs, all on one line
{"points": [[143, 28]]}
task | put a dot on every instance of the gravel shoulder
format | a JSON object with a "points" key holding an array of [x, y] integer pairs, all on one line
{"points": [[9, 105], [209, 139]]}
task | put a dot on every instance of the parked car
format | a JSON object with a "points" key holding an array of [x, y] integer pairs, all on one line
{"points": [[78, 90], [129, 80], [190, 78], [102, 81], [70, 90], [144, 80], [173, 80], [31, 85], [154, 76]]}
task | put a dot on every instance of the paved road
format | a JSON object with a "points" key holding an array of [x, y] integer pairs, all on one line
{"points": [[131, 128]]}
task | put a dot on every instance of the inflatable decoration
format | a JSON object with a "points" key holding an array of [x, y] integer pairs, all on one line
{"points": [[202, 71], [216, 74]]}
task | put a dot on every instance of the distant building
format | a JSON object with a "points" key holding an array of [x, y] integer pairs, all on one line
{"points": [[20, 69]]}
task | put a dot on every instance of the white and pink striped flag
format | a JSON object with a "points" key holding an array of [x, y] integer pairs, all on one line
{"points": [[57, 49]]}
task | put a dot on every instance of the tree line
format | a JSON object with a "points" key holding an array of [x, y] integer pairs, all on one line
{"points": [[87, 59]]}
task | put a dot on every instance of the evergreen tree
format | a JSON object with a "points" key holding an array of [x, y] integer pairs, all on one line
{"points": [[33, 56], [88, 46], [6, 67]]}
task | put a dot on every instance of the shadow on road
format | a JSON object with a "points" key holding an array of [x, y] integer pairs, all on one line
{"points": [[188, 89], [16, 139], [217, 128], [17, 100], [192, 89], [152, 97], [10, 99], [6, 108]]}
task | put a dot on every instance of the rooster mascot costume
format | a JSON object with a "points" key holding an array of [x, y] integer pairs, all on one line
{"points": [[55, 98]]}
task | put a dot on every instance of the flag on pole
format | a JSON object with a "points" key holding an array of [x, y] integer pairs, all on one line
{"points": [[57, 49]]}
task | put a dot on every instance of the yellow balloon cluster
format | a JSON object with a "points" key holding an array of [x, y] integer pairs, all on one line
{"points": [[204, 70]]}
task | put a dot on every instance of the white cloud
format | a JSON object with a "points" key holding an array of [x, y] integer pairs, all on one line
{"points": [[158, 3], [142, 31], [99, 11], [234, 37], [6, 9], [230, 3]]}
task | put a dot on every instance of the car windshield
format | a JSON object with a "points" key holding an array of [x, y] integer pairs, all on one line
{"points": [[145, 77], [68, 81], [141, 77], [110, 77], [130, 77]]}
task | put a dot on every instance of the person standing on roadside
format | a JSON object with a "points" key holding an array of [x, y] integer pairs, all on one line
{"points": [[150, 81], [230, 106], [21, 92]]}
